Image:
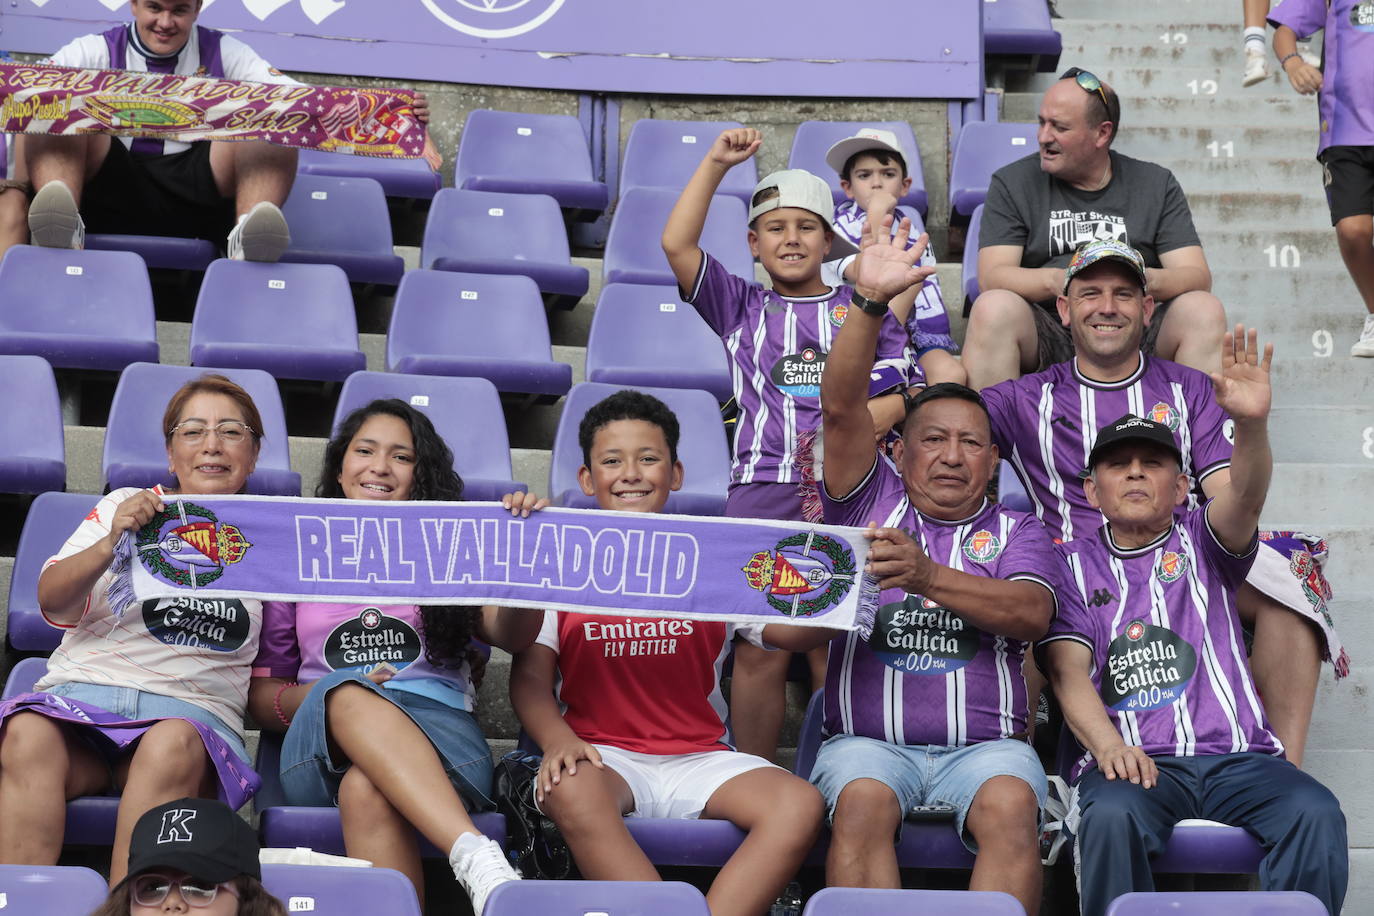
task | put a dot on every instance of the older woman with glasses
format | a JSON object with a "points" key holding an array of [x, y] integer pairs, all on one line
{"points": [[144, 701]]}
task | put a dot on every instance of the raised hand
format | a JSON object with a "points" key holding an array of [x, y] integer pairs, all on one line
{"points": [[886, 267], [1242, 386], [735, 145]]}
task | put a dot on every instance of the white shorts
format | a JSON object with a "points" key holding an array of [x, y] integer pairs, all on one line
{"points": [[677, 785]]}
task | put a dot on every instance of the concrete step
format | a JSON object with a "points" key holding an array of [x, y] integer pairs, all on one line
{"points": [[1340, 703], [1258, 210], [1223, 141], [1133, 77], [1273, 292], [1298, 330], [1153, 11], [1209, 105], [1307, 381], [1312, 488], [1346, 773], [1247, 249], [1203, 29], [1297, 174]]}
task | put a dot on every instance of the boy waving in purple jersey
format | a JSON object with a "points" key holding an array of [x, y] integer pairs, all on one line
{"points": [[928, 706], [777, 340], [1148, 661], [1044, 424]]}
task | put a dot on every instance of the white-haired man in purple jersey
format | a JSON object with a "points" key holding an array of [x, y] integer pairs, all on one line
{"points": [[1148, 660], [1044, 424], [927, 705]]}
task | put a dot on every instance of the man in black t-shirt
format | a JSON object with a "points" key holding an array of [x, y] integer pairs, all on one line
{"points": [[1043, 208]]}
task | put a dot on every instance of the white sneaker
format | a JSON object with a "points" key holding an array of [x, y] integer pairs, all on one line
{"points": [[261, 234], [1256, 66], [54, 220], [1365, 345], [481, 869]]}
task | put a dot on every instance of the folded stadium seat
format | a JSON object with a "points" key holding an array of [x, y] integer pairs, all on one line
{"points": [[1209, 903], [520, 153], [335, 889], [53, 890], [162, 251], [292, 320], [478, 325], [136, 450], [91, 818], [1021, 28], [51, 520], [702, 449], [486, 232], [975, 226], [342, 221], [814, 138], [33, 456], [983, 148], [77, 309], [634, 253], [286, 826], [645, 335], [605, 898], [664, 154], [466, 412], [1010, 492], [410, 178], [845, 901]]}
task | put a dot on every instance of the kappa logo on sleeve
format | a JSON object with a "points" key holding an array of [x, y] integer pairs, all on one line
{"points": [[803, 574]]}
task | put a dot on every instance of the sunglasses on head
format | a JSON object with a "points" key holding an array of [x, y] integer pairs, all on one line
{"points": [[151, 889], [1086, 81]]}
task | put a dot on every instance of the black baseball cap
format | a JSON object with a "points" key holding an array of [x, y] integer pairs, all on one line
{"points": [[198, 836], [1131, 428]]}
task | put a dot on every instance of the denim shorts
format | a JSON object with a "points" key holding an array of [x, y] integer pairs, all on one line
{"points": [[139, 704], [310, 776], [926, 774]]}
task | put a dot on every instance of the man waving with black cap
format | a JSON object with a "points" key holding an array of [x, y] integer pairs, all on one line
{"points": [[1148, 661]]}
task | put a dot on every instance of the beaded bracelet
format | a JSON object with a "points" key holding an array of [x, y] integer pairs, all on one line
{"points": [[276, 703], [1287, 57]]}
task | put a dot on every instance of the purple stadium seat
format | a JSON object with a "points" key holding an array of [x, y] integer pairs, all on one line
{"points": [[975, 223], [33, 457], [597, 898], [77, 309], [136, 450], [287, 826], [702, 449], [1209, 903], [485, 232], [51, 520], [333, 889], [815, 137], [522, 153], [23, 676], [859, 901], [412, 178], [53, 890], [479, 325], [292, 320], [645, 335], [664, 154], [167, 252], [1021, 28], [983, 148], [1010, 492], [635, 255], [342, 221], [466, 412]]}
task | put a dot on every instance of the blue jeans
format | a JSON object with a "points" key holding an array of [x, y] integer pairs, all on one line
{"points": [[1295, 818], [140, 704], [310, 776]]}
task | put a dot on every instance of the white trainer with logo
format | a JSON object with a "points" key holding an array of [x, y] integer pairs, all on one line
{"points": [[481, 867], [1256, 66], [54, 220], [261, 235], [1365, 345]]}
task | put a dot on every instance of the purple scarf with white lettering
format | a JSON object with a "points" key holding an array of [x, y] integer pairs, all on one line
{"points": [[589, 561]]}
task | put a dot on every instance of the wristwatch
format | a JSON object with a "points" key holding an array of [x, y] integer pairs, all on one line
{"points": [[868, 306]]}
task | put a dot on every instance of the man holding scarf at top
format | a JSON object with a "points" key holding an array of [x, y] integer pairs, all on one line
{"points": [[208, 189]]}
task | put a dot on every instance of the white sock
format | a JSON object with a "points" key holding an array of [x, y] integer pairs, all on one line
{"points": [[1254, 37], [466, 843]]}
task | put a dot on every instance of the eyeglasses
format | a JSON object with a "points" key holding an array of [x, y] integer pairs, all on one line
{"points": [[1088, 82], [152, 889], [192, 432]]}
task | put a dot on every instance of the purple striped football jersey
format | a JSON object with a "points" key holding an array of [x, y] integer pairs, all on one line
{"points": [[777, 348], [1045, 425], [1168, 652], [927, 675]]}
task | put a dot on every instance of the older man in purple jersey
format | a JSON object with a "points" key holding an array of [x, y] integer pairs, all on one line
{"points": [[928, 706], [1044, 424], [1148, 660]]}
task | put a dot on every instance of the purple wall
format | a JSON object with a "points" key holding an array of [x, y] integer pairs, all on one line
{"points": [[705, 47]]}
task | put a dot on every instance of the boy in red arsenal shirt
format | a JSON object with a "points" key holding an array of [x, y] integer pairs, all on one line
{"points": [[642, 732]]}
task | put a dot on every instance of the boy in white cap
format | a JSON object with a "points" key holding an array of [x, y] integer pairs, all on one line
{"points": [[873, 175], [777, 340]]}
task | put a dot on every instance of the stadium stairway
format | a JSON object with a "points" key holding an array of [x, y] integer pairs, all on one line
{"points": [[1245, 159]]}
